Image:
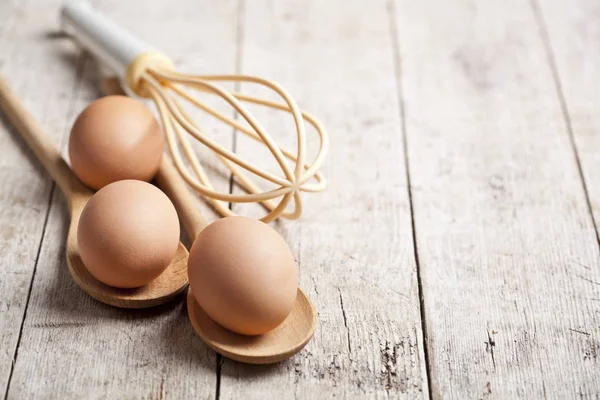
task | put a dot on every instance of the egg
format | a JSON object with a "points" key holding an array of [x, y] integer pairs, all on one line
{"points": [[243, 275], [128, 234], [115, 138]]}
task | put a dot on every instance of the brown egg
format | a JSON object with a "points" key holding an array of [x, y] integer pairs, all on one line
{"points": [[128, 234], [243, 275], [115, 138]]}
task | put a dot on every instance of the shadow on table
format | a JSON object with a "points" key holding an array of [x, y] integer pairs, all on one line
{"points": [[249, 372], [164, 331]]}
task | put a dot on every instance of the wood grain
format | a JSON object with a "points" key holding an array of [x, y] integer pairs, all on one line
{"points": [[572, 34], [73, 346], [353, 243], [507, 248]]}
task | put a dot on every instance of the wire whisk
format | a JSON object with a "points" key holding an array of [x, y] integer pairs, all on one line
{"points": [[149, 73]]}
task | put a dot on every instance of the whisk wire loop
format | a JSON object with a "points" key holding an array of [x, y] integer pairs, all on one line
{"points": [[204, 84], [310, 170], [159, 82]]}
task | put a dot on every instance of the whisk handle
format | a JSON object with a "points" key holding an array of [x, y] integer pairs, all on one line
{"points": [[115, 46]]}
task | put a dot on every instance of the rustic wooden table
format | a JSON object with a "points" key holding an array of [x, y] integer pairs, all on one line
{"points": [[454, 255]]}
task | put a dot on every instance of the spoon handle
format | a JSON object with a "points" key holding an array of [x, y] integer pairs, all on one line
{"points": [[39, 142], [169, 180]]}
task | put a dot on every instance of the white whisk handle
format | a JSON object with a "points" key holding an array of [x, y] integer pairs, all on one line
{"points": [[101, 36]]}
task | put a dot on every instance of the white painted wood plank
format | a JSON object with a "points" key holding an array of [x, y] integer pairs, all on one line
{"points": [[25, 188], [507, 248], [73, 346], [573, 29], [354, 242]]}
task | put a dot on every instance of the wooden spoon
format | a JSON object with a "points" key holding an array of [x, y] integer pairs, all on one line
{"points": [[169, 284], [280, 343]]}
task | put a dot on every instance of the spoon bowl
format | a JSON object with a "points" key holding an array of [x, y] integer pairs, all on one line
{"points": [[165, 287], [276, 345], [169, 284]]}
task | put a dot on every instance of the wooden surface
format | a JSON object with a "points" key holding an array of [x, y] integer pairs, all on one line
{"points": [[454, 254]]}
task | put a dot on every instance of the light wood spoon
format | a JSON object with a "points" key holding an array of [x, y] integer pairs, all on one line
{"points": [[277, 345], [169, 284]]}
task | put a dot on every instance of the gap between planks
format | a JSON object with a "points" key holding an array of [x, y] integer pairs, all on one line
{"points": [[28, 297], [395, 34], [545, 38], [81, 59]]}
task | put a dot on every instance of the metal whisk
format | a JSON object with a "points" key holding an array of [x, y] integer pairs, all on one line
{"points": [[150, 74]]}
